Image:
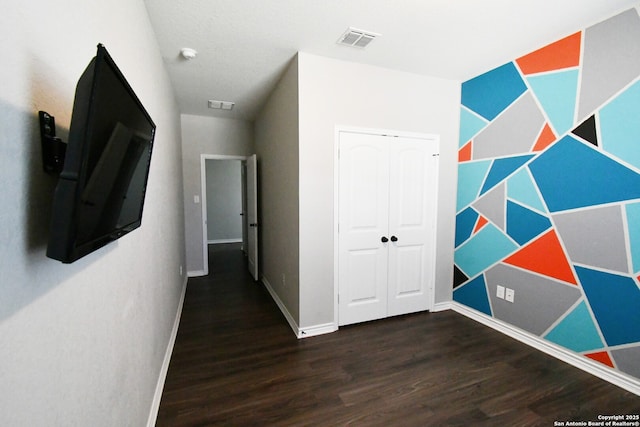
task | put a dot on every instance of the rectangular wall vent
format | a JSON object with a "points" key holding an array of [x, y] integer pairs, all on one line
{"points": [[357, 38], [221, 105]]}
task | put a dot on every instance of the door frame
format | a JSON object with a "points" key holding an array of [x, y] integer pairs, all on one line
{"points": [[336, 204], [203, 201]]}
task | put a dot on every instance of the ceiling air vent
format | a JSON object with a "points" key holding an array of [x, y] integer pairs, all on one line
{"points": [[357, 38], [220, 105]]}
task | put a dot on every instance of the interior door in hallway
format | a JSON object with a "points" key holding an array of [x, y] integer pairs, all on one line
{"points": [[252, 215], [386, 231]]}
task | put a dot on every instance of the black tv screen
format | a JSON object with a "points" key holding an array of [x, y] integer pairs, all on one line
{"points": [[100, 193]]}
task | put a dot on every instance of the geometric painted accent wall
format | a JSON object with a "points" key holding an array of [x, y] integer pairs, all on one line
{"points": [[548, 199]]}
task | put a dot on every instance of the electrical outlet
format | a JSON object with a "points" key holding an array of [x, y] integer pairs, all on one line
{"points": [[509, 294], [500, 292], [181, 271]]}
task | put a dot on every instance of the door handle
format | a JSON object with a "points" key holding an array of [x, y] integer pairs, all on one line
{"points": [[384, 239], [394, 239], [253, 224]]}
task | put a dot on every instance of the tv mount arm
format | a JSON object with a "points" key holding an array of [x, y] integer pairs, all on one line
{"points": [[53, 148]]}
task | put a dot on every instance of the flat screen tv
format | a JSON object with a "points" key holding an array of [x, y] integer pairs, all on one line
{"points": [[100, 192]]}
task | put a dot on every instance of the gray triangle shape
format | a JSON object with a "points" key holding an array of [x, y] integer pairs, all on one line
{"points": [[611, 60], [492, 206]]}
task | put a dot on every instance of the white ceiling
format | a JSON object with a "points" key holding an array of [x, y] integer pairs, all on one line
{"points": [[245, 45]]}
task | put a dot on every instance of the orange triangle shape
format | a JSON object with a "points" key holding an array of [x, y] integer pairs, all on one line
{"points": [[482, 221], [564, 53], [602, 357], [545, 138], [464, 154], [544, 256]]}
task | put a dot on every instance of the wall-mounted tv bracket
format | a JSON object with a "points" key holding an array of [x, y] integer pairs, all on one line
{"points": [[53, 148]]}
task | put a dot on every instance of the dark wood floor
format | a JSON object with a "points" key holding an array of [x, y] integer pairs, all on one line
{"points": [[237, 362]]}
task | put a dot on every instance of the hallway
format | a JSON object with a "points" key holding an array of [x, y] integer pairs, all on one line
{"points": [[237, 362]]}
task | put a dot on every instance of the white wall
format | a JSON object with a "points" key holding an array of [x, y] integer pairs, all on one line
{"points": [[337, 93], [82, 344], [277, 149], [206, 135], [224, 200]]}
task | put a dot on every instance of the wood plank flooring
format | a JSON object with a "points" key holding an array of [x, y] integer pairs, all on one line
{"points": [[236, 362]]}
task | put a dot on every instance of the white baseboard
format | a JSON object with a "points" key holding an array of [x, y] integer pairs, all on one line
{"points": [[281, 306], [155, 404], [299, 332], [220, 241], [196, 273], [441, 306], [314, 330], [590, 366]]}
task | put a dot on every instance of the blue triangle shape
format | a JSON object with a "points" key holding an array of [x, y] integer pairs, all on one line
{"points": [[572, 175], [521, 188], [465, 222], [501, 169], [557, 95], [524, 224], [470, 125], [576, 331], [633, 221], [614, 300], [474, 295], [470, 178], [620, 127]]}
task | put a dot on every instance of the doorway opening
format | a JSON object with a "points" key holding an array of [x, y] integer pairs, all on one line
{"points": [[226, 201], [229, 205]]}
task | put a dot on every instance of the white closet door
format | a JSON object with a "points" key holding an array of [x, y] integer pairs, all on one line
{"points": [[412, 203], [363, 222], [386, 225]]}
